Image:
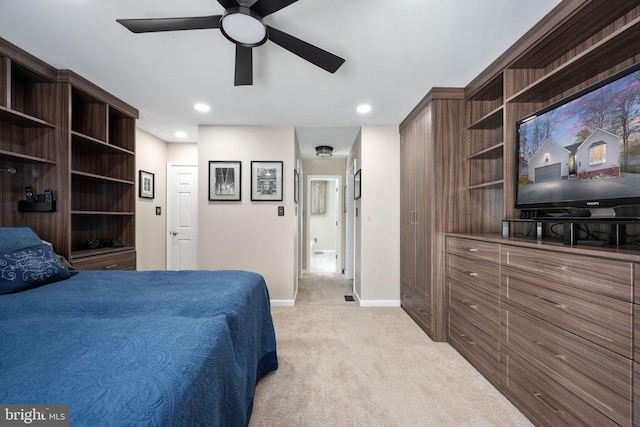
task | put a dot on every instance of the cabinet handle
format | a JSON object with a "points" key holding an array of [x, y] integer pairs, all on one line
{"points": [[471, 306], [541, 397], [551, 302], [110, 267], [550, 351], [467, 339]]}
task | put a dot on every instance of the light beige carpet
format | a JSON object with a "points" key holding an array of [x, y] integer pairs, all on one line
{"points": [[323, 289], [344, 365]]}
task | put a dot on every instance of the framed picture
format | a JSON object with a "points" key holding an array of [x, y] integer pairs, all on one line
{"points": [[225, 181], [266, 181], [296, 186], [147, 184], [357, 184]]}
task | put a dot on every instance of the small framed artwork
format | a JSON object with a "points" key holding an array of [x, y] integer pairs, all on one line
{"points": [[357, 184], [266, 181], [147, 184], [225, 181], [296, 186]]}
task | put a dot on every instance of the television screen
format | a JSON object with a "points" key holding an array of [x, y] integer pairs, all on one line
{"points": [[584, 151]]}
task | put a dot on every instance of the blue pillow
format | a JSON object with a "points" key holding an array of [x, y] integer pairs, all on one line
{"points": [[17, 238], [29, 267]]}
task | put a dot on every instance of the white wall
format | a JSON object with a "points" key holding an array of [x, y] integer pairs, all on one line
{"points": [[249, 235], [151, 228], [379, 216]]}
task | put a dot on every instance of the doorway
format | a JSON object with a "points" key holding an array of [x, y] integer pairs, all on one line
{"points": [[324, 224], [182, 216]]}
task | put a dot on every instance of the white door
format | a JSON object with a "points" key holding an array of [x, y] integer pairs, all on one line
{"points": [[182, 217]]}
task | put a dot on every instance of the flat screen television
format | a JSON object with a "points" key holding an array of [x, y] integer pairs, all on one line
{"points": [[583, 152]]}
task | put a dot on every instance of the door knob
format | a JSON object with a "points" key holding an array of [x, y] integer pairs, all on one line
{"points": [[174, 233]]}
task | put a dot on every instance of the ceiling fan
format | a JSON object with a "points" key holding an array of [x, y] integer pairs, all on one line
{"points": [[242, 24]]}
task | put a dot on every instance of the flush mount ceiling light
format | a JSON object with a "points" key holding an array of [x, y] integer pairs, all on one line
{"points": [[364, 108], [181, 134], [324, 151], [203, 108], [243, 26]]}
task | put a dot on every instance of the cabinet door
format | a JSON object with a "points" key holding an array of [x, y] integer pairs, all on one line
{"points": [[407, 207]]}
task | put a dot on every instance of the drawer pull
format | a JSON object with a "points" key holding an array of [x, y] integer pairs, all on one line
{"points": [[541, 397], [552, 302], [471, 306], [470, 273], [110, 267], [550, 351], [467, 339], [473, 249]]}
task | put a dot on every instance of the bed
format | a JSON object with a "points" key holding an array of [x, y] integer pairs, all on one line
{"points": [[131, 348]]}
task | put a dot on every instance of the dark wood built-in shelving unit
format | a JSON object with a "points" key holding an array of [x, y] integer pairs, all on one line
{"points": [[551, 325], [62, 132]]}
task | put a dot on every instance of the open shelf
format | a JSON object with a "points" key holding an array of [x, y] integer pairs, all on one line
{"points": [[614, 49], [493, 152]]}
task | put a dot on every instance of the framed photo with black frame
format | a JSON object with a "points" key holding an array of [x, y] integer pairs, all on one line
{"points": [[357, 184], [146, 185], [266, 181], [225, 181]]}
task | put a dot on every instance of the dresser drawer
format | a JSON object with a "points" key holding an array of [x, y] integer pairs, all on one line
{"points": [[603, 320], [125, 260], [482, 275], [543, 400], [480, 349], [476, 307], [598, 275], [600, 377], [473, 249]]}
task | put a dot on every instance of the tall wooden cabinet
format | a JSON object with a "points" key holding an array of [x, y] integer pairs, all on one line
{"points": [[427, 197], [63, 133]]}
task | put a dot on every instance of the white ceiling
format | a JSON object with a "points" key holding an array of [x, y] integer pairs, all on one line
{"points": [[395, 51]]}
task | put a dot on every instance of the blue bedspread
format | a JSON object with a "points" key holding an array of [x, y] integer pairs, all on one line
{"points": [[158, 348]]}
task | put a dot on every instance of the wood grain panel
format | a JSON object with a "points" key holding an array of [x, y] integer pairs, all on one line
{"points": [[599, 275], [481, 275], [474, 249], [599, 376], [544, 401], [417, 309], [479, 348], [476, 307], [603, 320], [119, 260]]}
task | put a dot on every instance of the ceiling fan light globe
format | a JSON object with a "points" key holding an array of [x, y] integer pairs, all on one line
{"points": [[243, 26]]}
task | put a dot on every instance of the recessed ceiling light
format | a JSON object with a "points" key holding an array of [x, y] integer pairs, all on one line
{"points": [[181, 134], [364, 108], [203, 108]]}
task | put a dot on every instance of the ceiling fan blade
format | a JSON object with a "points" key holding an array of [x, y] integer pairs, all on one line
{"points": [[228, 3], [152, 25], [304, 50], [267, 7], [244, 66]]}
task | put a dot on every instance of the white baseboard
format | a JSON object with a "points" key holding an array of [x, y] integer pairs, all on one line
{"points": [[283, 302], [379, 303]]}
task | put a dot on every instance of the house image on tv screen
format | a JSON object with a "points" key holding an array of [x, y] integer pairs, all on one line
{"points": [[598, 156]]}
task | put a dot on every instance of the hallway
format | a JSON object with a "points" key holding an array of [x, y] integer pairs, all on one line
{"points": [[324, 289]]}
